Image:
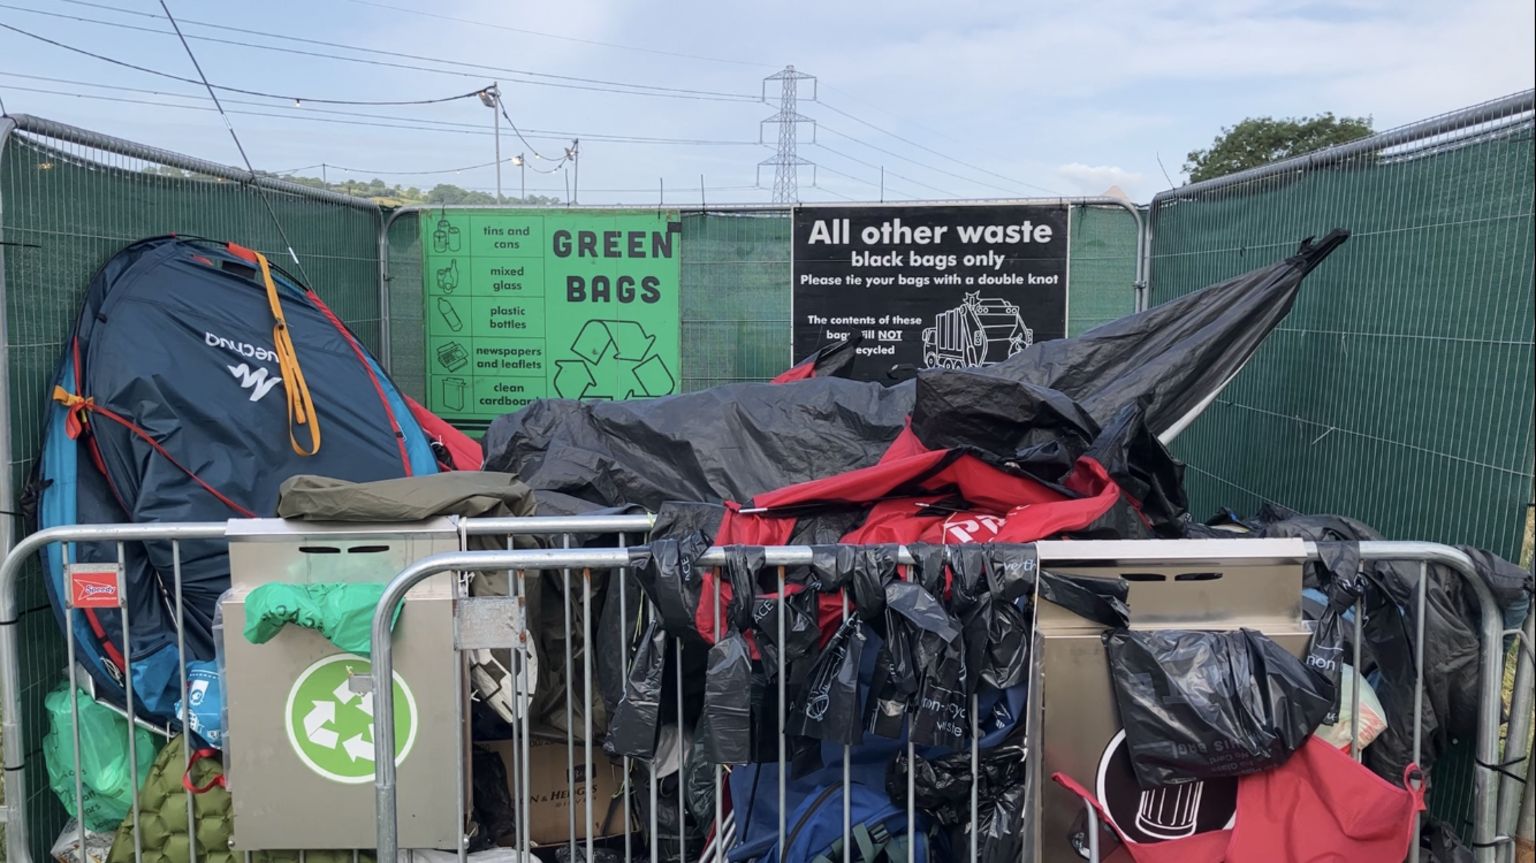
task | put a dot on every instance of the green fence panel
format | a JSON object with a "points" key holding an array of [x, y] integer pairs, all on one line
{"points": [[736, 290], [407, 326], [1101, 266], [736, 297], [1399, 389], [65, 209]]}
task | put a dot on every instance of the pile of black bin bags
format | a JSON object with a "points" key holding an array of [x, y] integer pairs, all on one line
{"points": [[864, 657]]}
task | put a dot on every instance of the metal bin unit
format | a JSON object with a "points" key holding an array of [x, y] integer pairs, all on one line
{"points": [[1241, 583], [299, 749]]}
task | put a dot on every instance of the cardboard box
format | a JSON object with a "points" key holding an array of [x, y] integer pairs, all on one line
{"points": [[555, 790], [1239, 583]]}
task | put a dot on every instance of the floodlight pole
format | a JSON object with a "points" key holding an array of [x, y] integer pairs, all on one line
{"points": [[496, 96]]}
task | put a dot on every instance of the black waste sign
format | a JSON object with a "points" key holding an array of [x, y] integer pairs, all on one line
{"points": [[929, 287]]}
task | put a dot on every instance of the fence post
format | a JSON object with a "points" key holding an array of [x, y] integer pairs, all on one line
{"points": [[386, 351], [15, 833], [386, 340]]}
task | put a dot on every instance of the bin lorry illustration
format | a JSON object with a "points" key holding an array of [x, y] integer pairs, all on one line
{"points": [[977, 332]]}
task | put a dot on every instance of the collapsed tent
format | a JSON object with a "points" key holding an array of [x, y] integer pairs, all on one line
{"points": [[737, 441], [197, 379]]}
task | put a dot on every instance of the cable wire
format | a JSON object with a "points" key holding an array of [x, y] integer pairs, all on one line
{"points": [[403, 123], [888, 188], [836, 110], [831, 192], [554, 80], [262, 193], [886, 170], [937, 170], [145, 69], [501, 106]]}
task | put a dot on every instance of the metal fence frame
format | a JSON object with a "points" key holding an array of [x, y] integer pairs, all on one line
{"points": [[107, 143], [1497, 109], [1489, 836], [1489, 832], [13, 811], [1137, 288], [1264, 200]]}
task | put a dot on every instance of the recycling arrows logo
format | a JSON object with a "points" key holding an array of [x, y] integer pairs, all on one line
{"points": [[615, 360], [331, 726]]}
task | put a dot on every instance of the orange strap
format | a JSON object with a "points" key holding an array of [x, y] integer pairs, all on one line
{"points": [[301, 407], [76, 407]]}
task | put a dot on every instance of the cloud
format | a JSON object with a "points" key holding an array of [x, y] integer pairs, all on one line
{"points": [[1094, 179], [1015, 99]]}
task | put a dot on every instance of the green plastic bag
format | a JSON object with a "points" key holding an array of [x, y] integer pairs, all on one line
{"points": [[343, 613], [106, 782]]}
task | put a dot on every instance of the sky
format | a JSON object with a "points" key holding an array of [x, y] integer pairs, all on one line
{"points": [[959, 99]]}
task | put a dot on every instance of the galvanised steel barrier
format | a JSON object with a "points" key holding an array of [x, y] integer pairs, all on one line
{"points": [[21, 736], [1488, 837]]}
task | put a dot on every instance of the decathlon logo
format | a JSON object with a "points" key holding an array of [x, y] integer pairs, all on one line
{"points": [[255, 380], [244, 349]]}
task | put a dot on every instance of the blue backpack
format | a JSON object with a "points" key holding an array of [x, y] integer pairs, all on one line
{"points": [[877, 833]]}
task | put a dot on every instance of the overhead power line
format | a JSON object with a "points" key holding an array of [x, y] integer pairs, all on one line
{"points": [[873, 185], [834, 109], [260, 191], [530, 77], [908, 159], [681, 191], [577, 40], [833, 193], [944, 192], [345, 170], [286, 97], [936, 132], [307, 115]]}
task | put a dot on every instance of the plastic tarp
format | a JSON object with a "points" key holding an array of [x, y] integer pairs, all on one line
{"points": [[343, 613], [1207, 705], [737, 441], [106, 776]]}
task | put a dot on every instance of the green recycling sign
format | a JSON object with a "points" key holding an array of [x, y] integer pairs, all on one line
{"points": [[529, 304], [331, 726]]}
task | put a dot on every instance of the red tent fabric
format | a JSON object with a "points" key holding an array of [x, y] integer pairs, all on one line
{"points": [[1318, 807], [907, 494], [463, 449]]}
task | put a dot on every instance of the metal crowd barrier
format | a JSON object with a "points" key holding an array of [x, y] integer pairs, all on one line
{"points": [[14, 811], [480, 623], [1489, 837]]}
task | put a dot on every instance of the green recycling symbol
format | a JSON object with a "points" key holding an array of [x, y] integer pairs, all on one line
{"points": [[617, 360], [331, 727]]}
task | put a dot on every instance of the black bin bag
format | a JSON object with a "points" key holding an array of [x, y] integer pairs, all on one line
{"points": [[725, 726], [828, 708], [1206, 705], [633, 729]]}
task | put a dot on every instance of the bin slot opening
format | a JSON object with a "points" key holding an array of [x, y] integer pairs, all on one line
{"points": [[368, 549], [1197, 576], [1143, 576], [319, 549]]}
